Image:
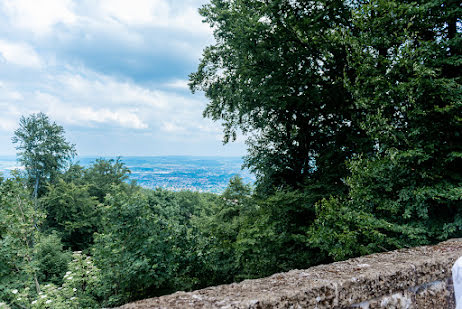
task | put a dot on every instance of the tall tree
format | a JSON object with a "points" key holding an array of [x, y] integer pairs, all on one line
{"points": [[408, 66], [406, 59], [43, 149], [277, 72]]}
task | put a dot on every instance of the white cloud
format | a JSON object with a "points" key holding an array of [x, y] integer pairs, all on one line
{"points": [[84, 98], [84, 116], [39, 17], [190, 21], [124, 118], [7, 124], [105, 89], [7, 94], [181, 84], [136, 12], [154, 14], [172, 127], [100, 105], [9, 115], [19, 54]]}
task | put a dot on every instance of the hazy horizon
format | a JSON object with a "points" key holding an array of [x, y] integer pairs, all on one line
{"points": [[175, 173], [136, 156]]}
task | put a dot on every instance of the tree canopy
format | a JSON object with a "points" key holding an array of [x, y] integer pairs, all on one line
{"points": [[277, 73], [357, 104], [43, 149], [407, 62]]}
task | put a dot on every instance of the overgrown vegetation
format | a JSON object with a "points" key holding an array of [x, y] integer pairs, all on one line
{"points": [[353, 112]]}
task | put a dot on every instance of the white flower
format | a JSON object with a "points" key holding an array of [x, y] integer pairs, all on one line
{"points": [[43, 296], [14, 291], [69, 278], [48, 301], [88, 262], [68, 272], [72, 298], [19, 298], [34, 302], [74, 289]]}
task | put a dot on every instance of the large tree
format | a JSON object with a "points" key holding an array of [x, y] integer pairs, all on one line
{"points": [[361, 100], [43, 149], [407, 62], [277, 72]]}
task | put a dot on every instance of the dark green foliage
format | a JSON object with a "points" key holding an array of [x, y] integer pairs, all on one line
{"points": [[74, 202], [407, 63], [72, 212], [73, 174], [137, 248], [103, 174], [242, 236], [283, 219], [375, 85], [342, 231], [192, 203], [277, 73], [51, 259], [219, 226]]}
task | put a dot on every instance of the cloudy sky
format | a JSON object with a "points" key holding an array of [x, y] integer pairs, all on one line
{"points": [[112, 72]]}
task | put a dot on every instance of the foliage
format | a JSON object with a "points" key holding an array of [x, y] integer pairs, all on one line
{"points": [[43, 149], [19, 234], [407, 63], [356, 100], [242, 236], [343, 231], [276, 72], [72, 212], [136, 249], [218, 227], [103, 174], [78, 290], [52, 259]]}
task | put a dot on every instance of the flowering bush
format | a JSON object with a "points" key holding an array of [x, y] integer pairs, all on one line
{"points": [[77, 291], [4, 306]]}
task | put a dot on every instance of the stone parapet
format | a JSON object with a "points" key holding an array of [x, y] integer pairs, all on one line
{"points": [[408, 278]]}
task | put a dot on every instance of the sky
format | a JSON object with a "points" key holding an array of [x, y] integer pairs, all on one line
{"points": [[113, 73]]}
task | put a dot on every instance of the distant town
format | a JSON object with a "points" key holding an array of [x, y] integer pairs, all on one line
{"points": [[175, 173]]}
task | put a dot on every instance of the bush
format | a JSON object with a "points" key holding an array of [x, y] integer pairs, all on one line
{"points": [[52, 259]]}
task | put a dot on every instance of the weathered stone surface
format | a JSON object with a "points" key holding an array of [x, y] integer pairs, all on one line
{"points": [[409, 278]]}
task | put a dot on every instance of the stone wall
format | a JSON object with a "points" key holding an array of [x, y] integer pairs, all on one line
{"points": [[410, 278]]}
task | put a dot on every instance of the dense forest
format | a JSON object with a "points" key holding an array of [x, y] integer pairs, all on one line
{"points": [[353, 116]]}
